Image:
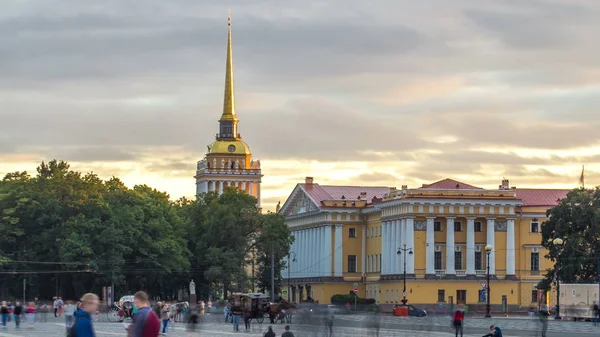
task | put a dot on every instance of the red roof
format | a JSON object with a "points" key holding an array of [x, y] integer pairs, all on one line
{"points": [[449, 184], [540, 197], [323, 192]]}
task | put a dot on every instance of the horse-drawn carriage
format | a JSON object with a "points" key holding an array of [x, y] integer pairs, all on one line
{"points": [[255, 304], [121, 310], [281, 312]]}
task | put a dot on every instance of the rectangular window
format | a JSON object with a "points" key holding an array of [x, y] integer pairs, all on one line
{"points": [[457, 226], [458, 260], [478, 261], [437, 226], [352, 263], [441, 295], [438, 260], [535, 227], [461, 296], [478, 226], [534, 296], [352, 232], [535, 261], [379, 263]]}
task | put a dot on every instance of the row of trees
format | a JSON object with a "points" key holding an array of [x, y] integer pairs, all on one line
{"points": [[65, 232]]}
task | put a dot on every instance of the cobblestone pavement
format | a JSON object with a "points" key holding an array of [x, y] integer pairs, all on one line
{"points": [[213, 328], [345, 325], [522, 324]]}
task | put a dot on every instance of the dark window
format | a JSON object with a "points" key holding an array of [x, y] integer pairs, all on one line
{"points": [[478, 227], [457, 226], [438, 261], [535, 227], [352, 263], [534, 296], [352, 232], [437, 226], [478, 261], [379, 265], [535, 261], [458, 260], [461, 296], [441, 295]]}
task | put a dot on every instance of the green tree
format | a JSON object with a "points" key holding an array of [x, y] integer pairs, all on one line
{"points": [[576, 220], [275, 238]]}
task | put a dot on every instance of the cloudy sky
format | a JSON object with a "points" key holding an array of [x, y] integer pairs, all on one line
{"points": [[381, 92]]}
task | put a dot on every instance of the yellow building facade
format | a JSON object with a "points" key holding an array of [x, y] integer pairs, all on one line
{"points": [[369, 238], [228, 161]]}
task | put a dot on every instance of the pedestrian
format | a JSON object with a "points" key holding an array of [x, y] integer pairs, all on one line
{"points": [[31, 315], [247, 319], [55, 306], [544, 314], [84, 326], [458, 320], [59, 305], [494, 332], [287, 332], [596, 313], [226, 312], [270, 333], [18, 312], [70, 309], [4, 312], [145, 323], [164, 316], [236, 314]]}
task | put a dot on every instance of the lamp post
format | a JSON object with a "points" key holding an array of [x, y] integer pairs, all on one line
{"points": [[488, 251], [289, 274], [253, 257], [400, 250], [557, 242]]}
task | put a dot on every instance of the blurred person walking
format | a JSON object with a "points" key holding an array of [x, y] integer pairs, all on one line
{"points": [[145, 323], [4, 312], [84, 326], [18, 312], [70, 309], [458, 320]]}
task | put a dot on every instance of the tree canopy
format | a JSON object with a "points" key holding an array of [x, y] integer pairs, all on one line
{"points": [[576, 221], [67, 233]]}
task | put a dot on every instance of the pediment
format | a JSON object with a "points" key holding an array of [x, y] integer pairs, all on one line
{"points": [[299, 202]]}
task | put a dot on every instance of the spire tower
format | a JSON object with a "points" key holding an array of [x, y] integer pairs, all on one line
{"points": [[228, 121]]}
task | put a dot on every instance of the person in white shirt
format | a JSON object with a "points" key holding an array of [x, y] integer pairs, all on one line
{"points": [[70, 309]]}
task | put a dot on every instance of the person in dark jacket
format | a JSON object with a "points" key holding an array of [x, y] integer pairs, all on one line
{"points": [[83, 323], [18, 312]]}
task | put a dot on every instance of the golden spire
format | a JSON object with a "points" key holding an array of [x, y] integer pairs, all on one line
{"points": [[229, 101]]}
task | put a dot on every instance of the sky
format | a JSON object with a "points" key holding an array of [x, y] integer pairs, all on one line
{"points": [[379, 93]]}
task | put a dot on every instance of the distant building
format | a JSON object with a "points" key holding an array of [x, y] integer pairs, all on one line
{"points": [[347, 235], [228, 162]]}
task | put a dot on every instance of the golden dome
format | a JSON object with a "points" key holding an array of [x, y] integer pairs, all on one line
{"points": [[229, 147]]}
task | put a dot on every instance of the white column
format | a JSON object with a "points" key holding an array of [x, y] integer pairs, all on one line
{"points": [[450, 246], [490, 241], [304, 252], [221, 187], [510, 246], [211, 186], [244, 186], [394, 230], [324, 251], [299, 252], [339, 264], [384, 247], [410, 243], [329, 250], [294, 265], [228, 183], [470, 246], [313, 252], [250, 188], [399, 243], [430, 245], [363, 250], [258, 192]]}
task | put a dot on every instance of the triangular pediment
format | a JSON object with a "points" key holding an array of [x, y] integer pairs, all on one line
{"points": [[298, 202]]}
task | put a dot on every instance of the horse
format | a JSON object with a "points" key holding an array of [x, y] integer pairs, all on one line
{"points": [[281, 312]]}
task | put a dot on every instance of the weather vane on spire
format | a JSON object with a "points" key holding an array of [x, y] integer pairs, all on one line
{"points": [[229, 18]]}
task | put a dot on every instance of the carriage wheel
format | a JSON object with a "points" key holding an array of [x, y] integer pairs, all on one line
{"points": [[113, 315], [260, 319]]}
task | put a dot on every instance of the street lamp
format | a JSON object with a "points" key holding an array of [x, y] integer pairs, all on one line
{"points": [[488, 251], [253, 257], [557, 242], [289, 274], [400, 250]]}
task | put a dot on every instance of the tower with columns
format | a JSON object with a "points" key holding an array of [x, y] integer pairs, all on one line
{"points": [[228, 162]]}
